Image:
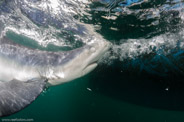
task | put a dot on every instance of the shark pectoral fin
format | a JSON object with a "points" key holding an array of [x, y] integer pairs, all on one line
{"points": [[16, 95]]}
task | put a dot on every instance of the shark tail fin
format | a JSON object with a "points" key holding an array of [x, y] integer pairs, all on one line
{"points": [[16, 95]]}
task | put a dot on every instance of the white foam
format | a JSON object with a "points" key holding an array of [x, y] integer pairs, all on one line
{"points": [[132, 48]]}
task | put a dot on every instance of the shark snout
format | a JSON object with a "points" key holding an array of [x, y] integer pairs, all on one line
{"points": [[97, 50], [80, 65]]}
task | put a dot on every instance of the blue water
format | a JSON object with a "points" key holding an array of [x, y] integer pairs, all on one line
{"points": [[139, 80]]}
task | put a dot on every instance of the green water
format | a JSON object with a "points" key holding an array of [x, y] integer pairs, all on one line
{"points": [[21, 39], [72, 102]]}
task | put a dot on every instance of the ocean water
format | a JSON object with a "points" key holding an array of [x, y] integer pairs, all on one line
{"points": [[140, 79]]}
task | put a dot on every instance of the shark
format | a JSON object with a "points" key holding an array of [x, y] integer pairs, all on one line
{"points": [[25, 72]]}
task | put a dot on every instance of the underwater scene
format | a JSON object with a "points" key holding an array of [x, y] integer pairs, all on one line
{"points": [[140, 78]]}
